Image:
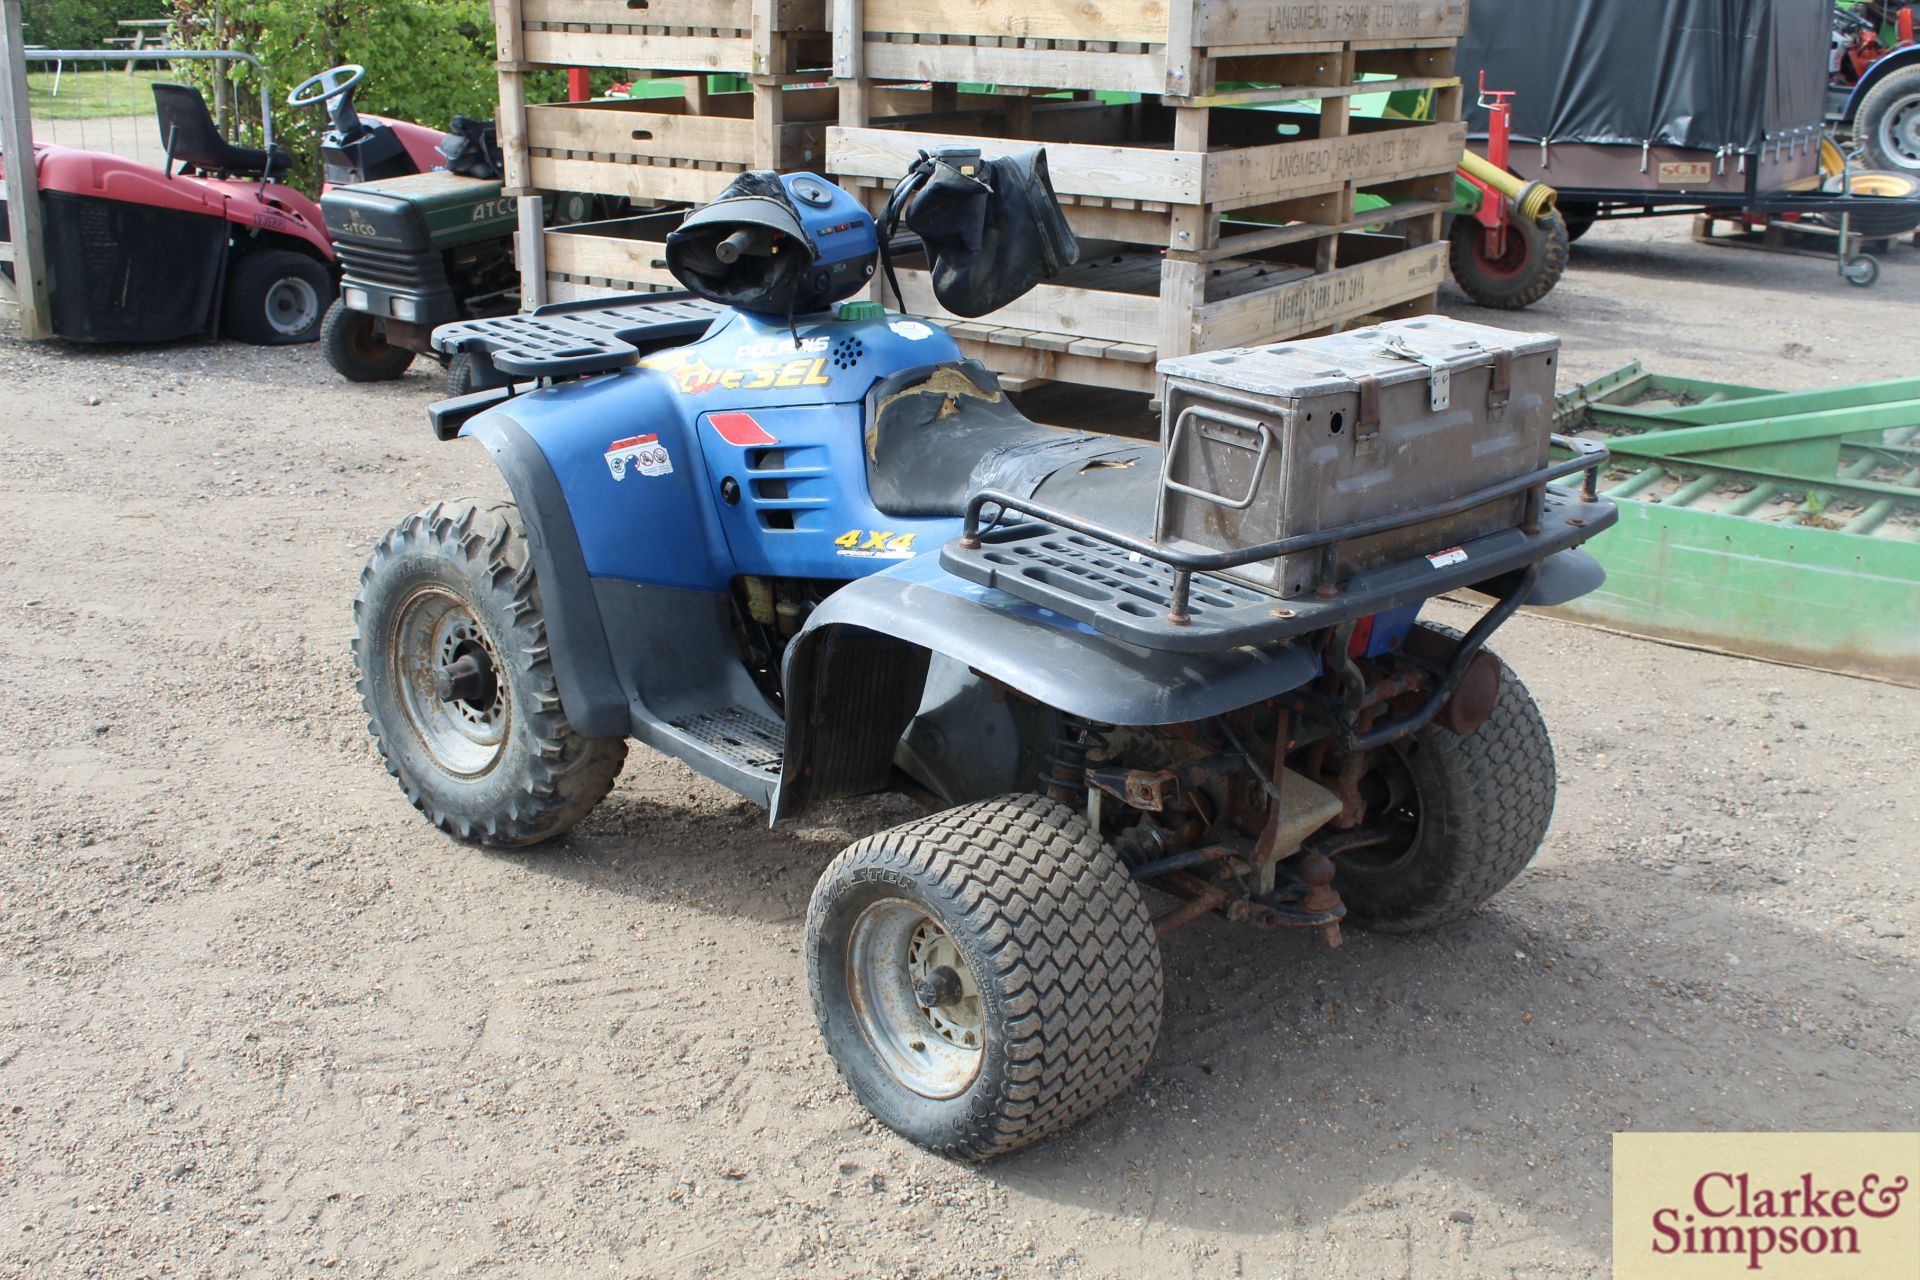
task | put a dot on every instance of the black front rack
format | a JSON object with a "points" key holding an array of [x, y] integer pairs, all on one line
{"points": [[1170, 596], [574, 339]]}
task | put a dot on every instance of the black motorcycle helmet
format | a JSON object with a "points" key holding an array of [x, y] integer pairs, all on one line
{"points": [[776, 246]]}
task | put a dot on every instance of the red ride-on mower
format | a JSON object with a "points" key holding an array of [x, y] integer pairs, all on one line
{"points": [[211, 240], [1510, 244]]}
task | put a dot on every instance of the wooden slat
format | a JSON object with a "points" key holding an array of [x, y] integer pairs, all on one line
{"points": [[1115, 72], [735, 15], [1257, 240], [1062, 366], [1076, 168], [1216, 22], [643, 183], [666, 53], [1301, 306], [1295, 93], [641, 128], [1054, 308], [1247, 175], [584, 252]]}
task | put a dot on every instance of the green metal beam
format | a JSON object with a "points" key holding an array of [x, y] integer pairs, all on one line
{"points": [[1740, 404]]}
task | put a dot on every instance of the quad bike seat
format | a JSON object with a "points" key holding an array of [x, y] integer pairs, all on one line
{"points": [[937, 434], [193, 140]]}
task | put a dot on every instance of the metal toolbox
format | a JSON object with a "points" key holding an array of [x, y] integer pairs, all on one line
{"points": [[1266, 443]]}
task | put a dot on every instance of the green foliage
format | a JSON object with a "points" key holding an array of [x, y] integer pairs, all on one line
{"points": [[426, 60], [84, 24]]}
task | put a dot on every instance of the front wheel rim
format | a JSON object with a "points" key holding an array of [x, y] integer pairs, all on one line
{"points": [[464, 735], [292, 304], [935, 1050]]}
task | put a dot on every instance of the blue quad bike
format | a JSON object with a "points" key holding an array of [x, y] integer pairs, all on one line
{"points": [[804, 546]]}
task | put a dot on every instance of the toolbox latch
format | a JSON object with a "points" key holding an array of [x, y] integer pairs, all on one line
{"points": [[1500, 386], [1440, 379], [1366, 427]]}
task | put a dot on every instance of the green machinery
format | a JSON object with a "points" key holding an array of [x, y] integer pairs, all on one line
{"points": [[1779, 525]]}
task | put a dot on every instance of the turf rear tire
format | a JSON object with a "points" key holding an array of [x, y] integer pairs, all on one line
{"points": [[1057, 949], [1535, 260], [356, 348], [1479, 806], [275, 298], [499, 764]]}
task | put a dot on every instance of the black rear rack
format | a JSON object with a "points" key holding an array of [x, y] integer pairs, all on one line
{"points": [[573, 339], [1169, 596]]}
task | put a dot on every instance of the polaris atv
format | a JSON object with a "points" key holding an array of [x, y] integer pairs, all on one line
{"points": [[814, 553]]}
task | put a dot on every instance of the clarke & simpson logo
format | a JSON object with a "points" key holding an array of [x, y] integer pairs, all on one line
{"points": [[1784, 1205]]}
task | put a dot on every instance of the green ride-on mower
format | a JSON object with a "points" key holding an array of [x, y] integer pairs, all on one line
{"points": [[415, 252], [418, 245], [803, 545]]}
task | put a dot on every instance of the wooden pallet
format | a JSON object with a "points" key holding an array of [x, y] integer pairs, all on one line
{"points": [[1185, 49], [1109, 320], [1185, 179]]}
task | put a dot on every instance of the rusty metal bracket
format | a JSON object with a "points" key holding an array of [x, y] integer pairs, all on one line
{"points": [[1149, 789]]}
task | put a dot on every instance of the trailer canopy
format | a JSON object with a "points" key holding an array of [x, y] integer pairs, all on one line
{"points": [[1713, 75]]}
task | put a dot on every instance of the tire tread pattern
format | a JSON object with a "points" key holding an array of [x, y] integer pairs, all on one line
{"points": [[566, 773], [1549, 247], [1501, 783], [1071, 945]]}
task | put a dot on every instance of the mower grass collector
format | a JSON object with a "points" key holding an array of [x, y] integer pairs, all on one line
{"points": [[813, 553]]}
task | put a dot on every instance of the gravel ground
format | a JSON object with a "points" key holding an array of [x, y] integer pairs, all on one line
{"points": [[256, 1017]]}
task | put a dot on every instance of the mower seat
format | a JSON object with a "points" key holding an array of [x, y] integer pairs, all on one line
{"points": [[192, 139], [937, 435]]}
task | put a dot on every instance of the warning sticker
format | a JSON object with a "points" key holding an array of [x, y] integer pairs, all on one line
{"points": [[1451, 556], [644, 452]]}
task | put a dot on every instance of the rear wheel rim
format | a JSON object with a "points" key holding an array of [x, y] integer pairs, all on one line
{"points": [[292, 305], [1900, 132], [937, 1051], [433, 629], [1392, 796]]}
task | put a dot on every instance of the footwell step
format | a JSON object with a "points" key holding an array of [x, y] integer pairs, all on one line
{"points": [[746, 739]]}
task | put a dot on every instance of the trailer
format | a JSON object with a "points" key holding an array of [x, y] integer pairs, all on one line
{"points": [[1677, 108]]}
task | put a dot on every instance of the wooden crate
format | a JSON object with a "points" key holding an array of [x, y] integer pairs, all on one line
{"points": [[745, 37], [1180, 178], [1108, 320], [1184, 49]]}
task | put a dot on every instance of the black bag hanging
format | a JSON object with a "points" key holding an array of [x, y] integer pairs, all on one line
{"points": [[472, 149], [993, 229]]}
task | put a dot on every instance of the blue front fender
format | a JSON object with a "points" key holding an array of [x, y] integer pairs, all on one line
{"points": [[628, 465]]}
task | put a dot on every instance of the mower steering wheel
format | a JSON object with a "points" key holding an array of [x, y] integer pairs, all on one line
{"points": [[329, 84]]}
